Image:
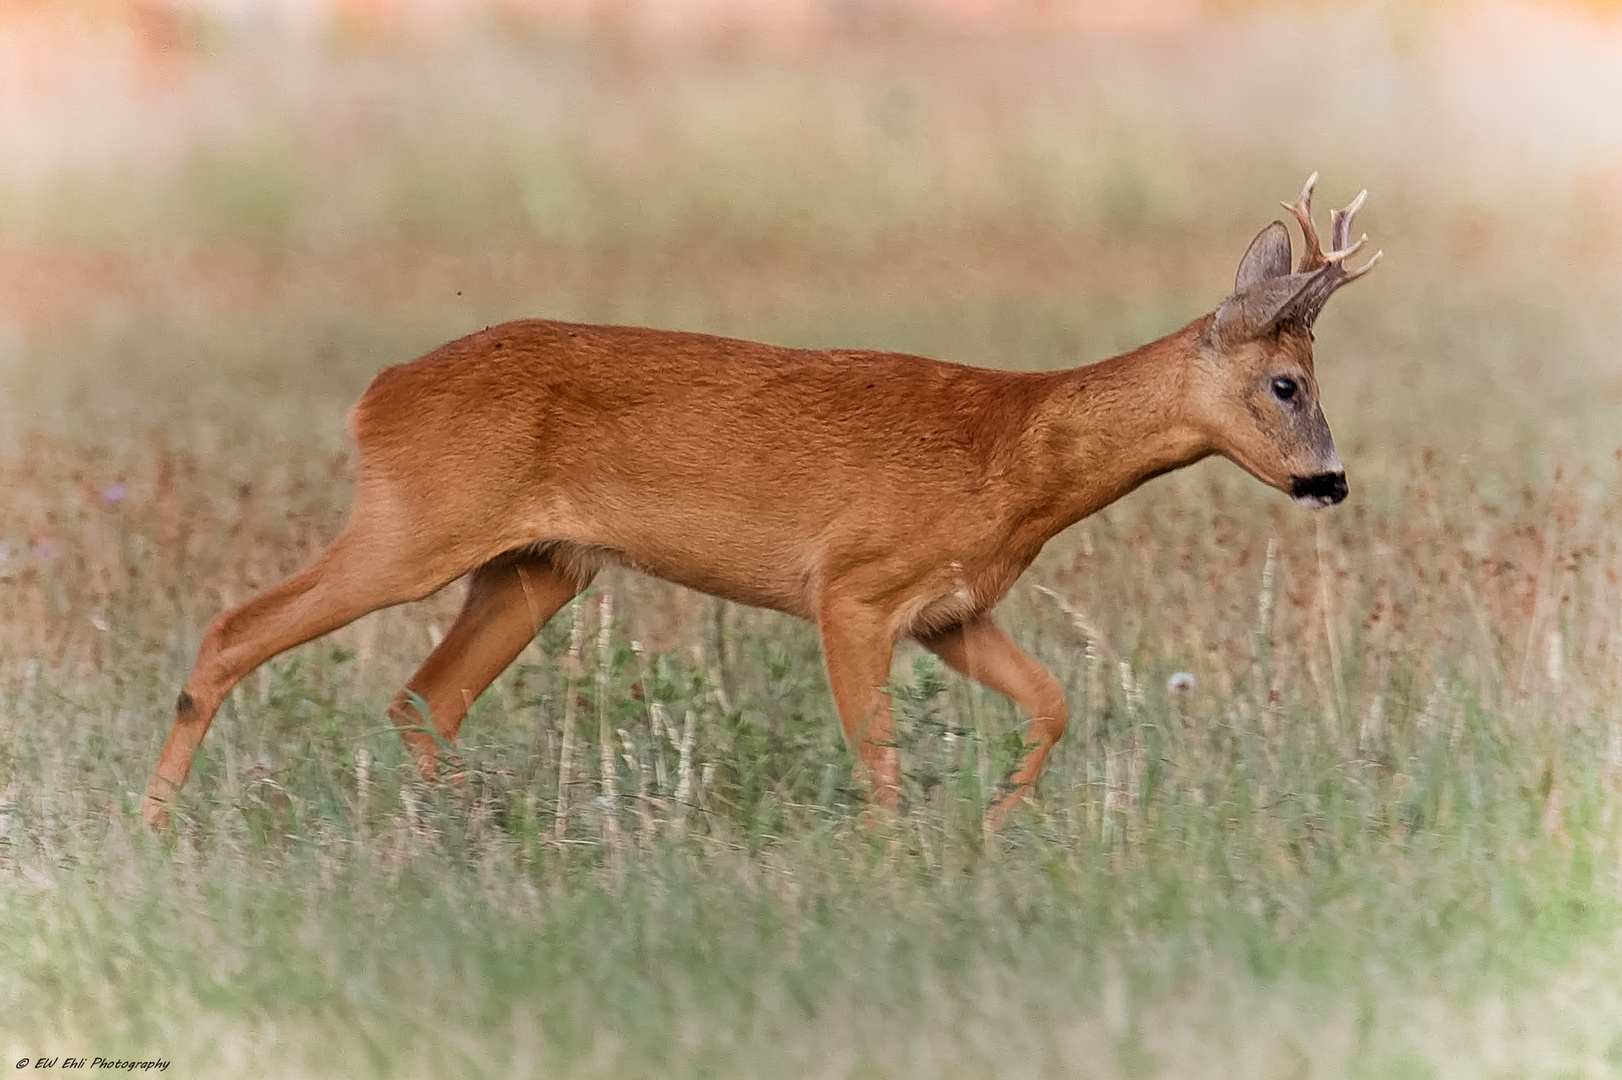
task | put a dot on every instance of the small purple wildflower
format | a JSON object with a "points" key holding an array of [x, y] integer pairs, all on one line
{"points": [[115, 492]]}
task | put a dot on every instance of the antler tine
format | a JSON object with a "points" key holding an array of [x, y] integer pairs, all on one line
{"points": [[1340, 221], [1312, 255], [1340, 254], [1353, 275], [1305, 198]]}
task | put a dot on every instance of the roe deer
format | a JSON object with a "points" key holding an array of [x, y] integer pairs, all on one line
{"points": [[877, 495]]}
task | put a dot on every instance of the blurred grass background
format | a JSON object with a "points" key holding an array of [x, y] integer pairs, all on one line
{"points": [[1378, 837]]}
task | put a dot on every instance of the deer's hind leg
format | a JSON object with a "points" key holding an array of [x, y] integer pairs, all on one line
{"points": [[982, 651], [369, 566], [508, 600]]}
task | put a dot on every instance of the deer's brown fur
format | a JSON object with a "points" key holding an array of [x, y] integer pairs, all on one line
{"points": [[877, 495]]}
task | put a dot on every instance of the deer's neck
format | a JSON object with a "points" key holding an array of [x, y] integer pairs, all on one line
{"points": [[1104, 429]]}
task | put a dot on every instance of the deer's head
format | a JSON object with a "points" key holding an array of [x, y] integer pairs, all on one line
{"points": [[1255, 389]]}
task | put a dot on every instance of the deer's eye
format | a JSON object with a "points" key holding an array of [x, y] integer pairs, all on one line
{"points": [[1284, 389]]}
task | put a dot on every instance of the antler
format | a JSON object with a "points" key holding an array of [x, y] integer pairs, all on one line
{"points": [[1267, 295], [1327, 267], [1312, 256]]}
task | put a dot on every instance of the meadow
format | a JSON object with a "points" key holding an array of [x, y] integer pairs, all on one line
{"points": [[1371, 829]]}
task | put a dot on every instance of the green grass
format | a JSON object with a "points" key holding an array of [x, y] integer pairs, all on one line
{"points": [[1181, 877], [1378, 837]]}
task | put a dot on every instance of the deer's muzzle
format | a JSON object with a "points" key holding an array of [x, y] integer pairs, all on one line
{"points": [[1325, 489]]}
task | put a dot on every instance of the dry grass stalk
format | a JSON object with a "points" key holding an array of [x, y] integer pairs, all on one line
{"points": [[1115, 797], [1554, 660], [684, 767], [659, 721], [1264, 611], [610, 792], [1130, 686], [1540, 596], [662, 724], [571, 669], [363, 787], [644, 793], [1095, 687], [416, 822], [1332, 704], [1371, 732], [706, 780]]}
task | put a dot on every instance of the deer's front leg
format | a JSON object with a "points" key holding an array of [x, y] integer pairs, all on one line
{"points": [[858, 644], [980, 650]]}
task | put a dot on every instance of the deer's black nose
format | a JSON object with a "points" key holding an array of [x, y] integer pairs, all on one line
{"points": [[1325, 489]]}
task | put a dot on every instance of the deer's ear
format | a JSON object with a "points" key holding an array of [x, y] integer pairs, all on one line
{"points": [[1268, 256], [1254, 311]]}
